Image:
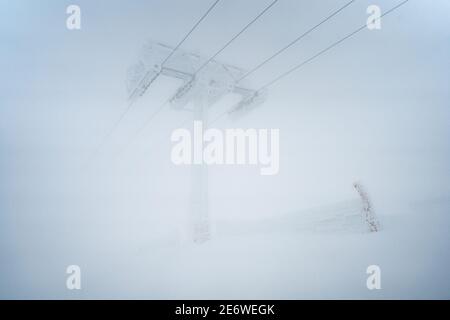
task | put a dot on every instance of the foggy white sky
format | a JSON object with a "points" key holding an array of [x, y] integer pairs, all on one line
{"points": [[374, 109]]}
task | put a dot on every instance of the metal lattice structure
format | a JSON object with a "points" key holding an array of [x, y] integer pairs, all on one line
{"points": [[204, 82], [213, 81]]}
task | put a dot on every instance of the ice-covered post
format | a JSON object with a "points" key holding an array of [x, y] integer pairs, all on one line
{"points": [[200, 223], [369, 215], [203, 85]]}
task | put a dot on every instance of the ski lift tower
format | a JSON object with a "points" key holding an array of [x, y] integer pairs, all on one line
{"points": [[204, 82]]}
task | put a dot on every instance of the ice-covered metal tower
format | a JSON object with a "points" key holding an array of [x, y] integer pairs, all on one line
{"points": [[204, 82]]}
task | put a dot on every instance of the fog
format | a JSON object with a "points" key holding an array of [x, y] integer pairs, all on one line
{"points": [[374, 109]]}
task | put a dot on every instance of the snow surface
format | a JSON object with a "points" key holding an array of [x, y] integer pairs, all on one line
{"points": [[411, 250]]}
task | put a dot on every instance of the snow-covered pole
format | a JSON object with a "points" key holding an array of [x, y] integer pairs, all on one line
{"points": [[202, 89], [200, 222], [369, 214]]}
